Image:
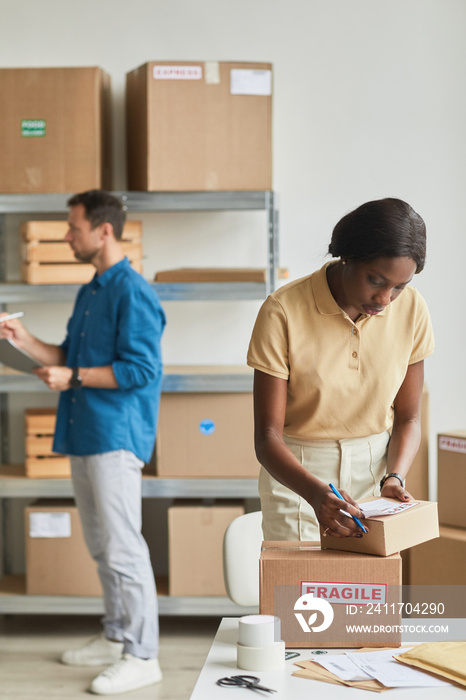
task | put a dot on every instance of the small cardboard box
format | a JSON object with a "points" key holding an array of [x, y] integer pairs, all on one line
{"points": [[452, 478], [391, 533], [196, 126], [206, 435], [55, 130], [317, 593], [195, 540], [48, 259], [440, 562], [41, 462], [57, 560]]}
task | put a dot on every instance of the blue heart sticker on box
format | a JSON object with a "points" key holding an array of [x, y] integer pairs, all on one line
{"points": [[207, 426]]}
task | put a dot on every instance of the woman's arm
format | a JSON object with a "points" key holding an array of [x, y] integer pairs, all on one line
{"points": [[406, 435], [270, 395]]}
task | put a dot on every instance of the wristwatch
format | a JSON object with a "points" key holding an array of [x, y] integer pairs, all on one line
{"points": [[76, 381], [387, 476]]}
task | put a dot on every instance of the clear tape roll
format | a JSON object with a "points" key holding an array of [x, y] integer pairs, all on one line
{"points": [[267, 658], [259, 631]]}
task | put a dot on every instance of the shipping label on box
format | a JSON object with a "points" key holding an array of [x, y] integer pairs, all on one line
{"points": [[406, 526], [331, 599]]}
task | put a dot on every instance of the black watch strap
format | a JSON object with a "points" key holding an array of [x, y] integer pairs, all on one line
{"points": [[76, 380], [387, 476]]}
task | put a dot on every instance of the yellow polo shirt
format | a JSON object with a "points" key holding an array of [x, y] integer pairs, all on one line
{"points": [[342, 376]]}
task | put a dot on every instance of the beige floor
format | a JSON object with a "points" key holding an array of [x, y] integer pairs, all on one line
{"points": [[31, 645]]}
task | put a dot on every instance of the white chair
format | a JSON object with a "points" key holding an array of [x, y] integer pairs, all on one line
{"points": [[241, 552]]}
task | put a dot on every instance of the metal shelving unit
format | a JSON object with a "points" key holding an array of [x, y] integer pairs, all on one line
{"points": [[15, 486]]}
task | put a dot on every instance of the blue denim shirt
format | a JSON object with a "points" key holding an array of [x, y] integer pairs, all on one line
{"points": [[117, 320]]}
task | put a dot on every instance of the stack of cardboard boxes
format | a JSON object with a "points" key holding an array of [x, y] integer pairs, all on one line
{"points": [[191, 126], [354, 585]]}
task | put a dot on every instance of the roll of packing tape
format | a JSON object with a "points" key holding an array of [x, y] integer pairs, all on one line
{"points": [[261, 658], [259, 630]]}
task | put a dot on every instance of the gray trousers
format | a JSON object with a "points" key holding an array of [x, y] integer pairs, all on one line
{"points": [[107, 489]]}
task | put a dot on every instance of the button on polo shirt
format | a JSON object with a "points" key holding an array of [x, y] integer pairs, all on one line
{"points": [[342, 376]]}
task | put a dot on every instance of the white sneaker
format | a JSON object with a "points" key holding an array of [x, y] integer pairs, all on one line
{"points": [[98, 651], [127, 674]]}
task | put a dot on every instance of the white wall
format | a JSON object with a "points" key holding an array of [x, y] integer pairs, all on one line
{"points": [[369, 102]]}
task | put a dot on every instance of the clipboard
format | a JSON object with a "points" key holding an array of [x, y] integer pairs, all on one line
{"points": [[12, 356]]}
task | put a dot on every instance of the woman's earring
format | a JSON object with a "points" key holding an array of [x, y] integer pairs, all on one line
{"points": [[343, 262]]}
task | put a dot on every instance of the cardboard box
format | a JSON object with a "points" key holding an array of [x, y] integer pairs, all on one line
{"points": [[41, 462], [55, 132], [391, 533], [206, 435], [417, 481], [195, 126], [211, 274], [195, 541], [353, 589], [57, 560], [440, 562], [48, 259], [452, 478]]}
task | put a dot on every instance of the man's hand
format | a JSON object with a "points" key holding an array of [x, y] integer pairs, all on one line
{"points": [[56, 378]]}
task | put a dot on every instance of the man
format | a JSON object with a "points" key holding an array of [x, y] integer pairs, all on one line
{"points": [[109, 373]]}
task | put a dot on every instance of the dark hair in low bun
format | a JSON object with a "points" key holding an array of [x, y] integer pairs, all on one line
{"points": [[383, 228]]}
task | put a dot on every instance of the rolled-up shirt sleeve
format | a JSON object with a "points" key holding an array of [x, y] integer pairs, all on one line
{"points": [[138, 358]]}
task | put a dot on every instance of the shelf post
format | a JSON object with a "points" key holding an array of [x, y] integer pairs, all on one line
{"points": [[272, 238]]}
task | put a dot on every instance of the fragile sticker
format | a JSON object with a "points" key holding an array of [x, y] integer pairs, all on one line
{"points": [[452, 444], [33, 127], [345, 593]]}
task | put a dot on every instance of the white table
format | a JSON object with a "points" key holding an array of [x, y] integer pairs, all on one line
{"points": [[221, 662]]}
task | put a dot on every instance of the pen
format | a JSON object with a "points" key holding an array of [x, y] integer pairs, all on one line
{"points": [[356, 520], [18, 314]]}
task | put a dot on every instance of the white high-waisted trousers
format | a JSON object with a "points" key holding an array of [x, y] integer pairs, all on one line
{"points": [[355, 465]]}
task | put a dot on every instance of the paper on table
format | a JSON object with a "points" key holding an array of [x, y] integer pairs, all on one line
{"points": [[381, 666], [315, 672], [343, 667], [383, 507]]}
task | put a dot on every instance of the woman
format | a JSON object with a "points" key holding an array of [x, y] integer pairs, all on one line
{"points": [[338, 360]]}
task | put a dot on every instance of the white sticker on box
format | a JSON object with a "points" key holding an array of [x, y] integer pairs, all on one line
{"points": [[178, 72], [250, 82], [49, 525], [452, 444], [212, 72]]}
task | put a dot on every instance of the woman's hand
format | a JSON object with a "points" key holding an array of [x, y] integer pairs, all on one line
{"points": [[393, 489], [333, 521]]}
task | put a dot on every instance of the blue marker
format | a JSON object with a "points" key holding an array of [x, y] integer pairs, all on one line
{"points": [[356, 520]]}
